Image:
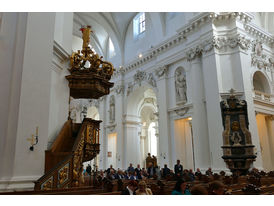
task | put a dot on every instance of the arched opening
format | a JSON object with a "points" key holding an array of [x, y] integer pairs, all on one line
{"points": [[260, 83], [141, 112]]}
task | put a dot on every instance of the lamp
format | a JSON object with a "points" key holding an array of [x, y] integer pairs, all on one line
{"points": [[33, 140]]}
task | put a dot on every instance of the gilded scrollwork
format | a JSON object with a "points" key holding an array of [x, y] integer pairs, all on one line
{"points": [[63, 174], [79, 59], [48, 184]]}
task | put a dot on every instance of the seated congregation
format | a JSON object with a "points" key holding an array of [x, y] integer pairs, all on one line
{"points": [[165, 181]]}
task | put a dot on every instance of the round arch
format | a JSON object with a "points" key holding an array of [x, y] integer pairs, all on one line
{"points": [[260, 82], [136, 97]]}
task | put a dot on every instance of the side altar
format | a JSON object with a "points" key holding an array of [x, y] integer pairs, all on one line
{"points": [[238, 151]]}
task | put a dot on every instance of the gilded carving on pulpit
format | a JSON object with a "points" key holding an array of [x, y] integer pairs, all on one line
{"points": [[48, 184], [180, 86], [63, 174]]}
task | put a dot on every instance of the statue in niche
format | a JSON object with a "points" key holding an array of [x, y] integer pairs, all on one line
{"points": [[112, 109], [180, 86]]}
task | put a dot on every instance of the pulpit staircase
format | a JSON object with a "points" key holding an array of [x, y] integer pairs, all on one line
{"points": [[75, 144]]}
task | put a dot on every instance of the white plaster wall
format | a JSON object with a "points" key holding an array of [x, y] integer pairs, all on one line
{"points": [[12, 44], [34, 107]]}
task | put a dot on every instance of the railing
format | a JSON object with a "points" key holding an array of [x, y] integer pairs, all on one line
{"points": [[68, 172], [258, 95]]}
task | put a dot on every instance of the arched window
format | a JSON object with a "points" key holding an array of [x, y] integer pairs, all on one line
{"points": [[153, 138], [139, 24]]}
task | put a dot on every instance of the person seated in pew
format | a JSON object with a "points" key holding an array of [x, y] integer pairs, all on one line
{"points": [[191, 175], [142, 189], [133, 176], [130, 168], [199, 190], [181, 188], [126, 175], [158, 172], [216, 188], [198, 172], [165, 171], [130, 189], [138, 171], [110, 168], [209, 172], [111, 175], [151, 171], [119, 175]]}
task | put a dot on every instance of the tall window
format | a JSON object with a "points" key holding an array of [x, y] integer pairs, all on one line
{"points": [[139, 24], [111, 49]]}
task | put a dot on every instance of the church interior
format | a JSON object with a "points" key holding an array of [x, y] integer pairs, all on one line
{"points": [[110, 103]]}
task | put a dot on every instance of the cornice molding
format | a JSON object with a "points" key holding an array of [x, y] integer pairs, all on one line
{"points": [[218, 43], [259, 34], [240, 16]]}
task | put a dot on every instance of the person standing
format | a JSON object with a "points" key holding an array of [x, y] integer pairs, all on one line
{"points": [[178, 169], [88, 169]]}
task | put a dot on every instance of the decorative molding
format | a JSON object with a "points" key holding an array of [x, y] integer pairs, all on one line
{"points": [[112, 109], [111, 127], [258, 58], [219, 43], [160, 71], [60, 57], [225, 16], [139, 76], [182, 110], [259, 34], [129, 88], [151, 80], [119, 89], [231, 42]]}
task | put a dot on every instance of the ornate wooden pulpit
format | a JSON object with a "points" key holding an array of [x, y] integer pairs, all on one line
{"points": [[77, 143]]}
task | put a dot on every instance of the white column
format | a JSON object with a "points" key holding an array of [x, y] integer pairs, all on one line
{"points": [[133, 133], [34, 100], [164, 137], [214, 116], [199, 117], [12, 47]]}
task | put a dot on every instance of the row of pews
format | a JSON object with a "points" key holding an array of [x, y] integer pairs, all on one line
{"points": [[243, 185]]}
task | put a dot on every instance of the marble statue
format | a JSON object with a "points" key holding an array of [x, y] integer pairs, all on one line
{"points": [[180, 86]]}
